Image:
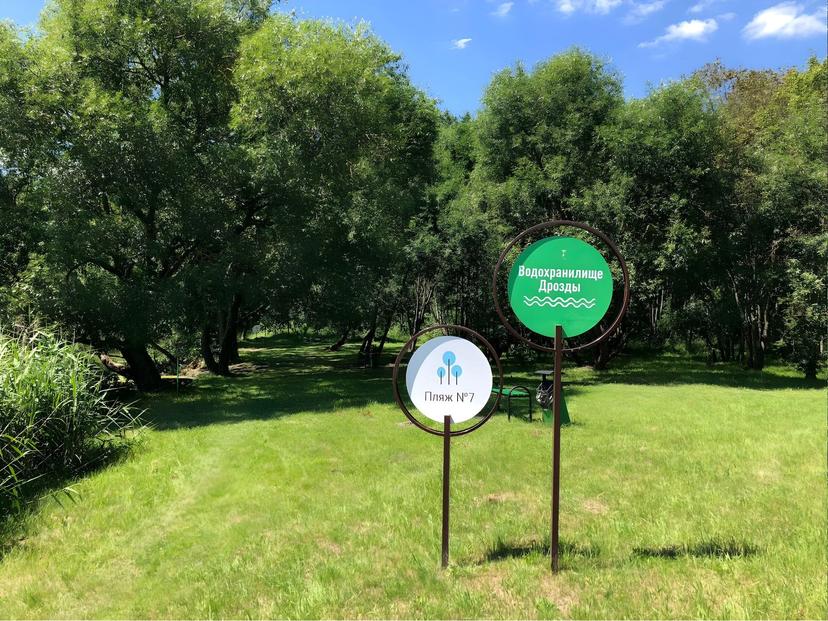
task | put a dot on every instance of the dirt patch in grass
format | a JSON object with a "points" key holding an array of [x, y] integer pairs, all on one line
{"points": [[595, 506], [556, 590], [329, 546], [769, 474], [497, 497], [491, 581], [247, 368]]}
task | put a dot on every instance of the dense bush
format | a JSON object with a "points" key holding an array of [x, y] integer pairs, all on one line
{"points": [[57, 416]]}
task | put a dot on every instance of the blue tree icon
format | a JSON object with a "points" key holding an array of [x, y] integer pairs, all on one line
{"points": [[449, 359], [457, 371], [441, 373]]}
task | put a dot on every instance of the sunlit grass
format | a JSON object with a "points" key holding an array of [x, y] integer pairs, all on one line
{"points": [[299, 490]]}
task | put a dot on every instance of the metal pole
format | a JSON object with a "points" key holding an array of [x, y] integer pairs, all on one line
{"points": [[446, 464], [556, 448]]}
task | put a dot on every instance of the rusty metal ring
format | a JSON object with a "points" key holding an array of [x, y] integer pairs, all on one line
{"points": [[395, 376], [579, 225]]}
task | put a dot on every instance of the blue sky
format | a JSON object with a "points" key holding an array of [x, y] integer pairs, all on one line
{"points": [[453, 47]]}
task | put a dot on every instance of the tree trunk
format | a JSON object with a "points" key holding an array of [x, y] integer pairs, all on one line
{"points": [[207, 349], [142, 369], [741, 348], [366, 349], [113, 366], [750, 345], [724, 352], [608, 349], [235, 357], [811, 369], [711, 350], [418, 322], [166, 352], [368, 340], [341, 341], [756, 346], [384, 337], [759, 358], [424, 293], [602, 356], [763, 335], [229, 340]]}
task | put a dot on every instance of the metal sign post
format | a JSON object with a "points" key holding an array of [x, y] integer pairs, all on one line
{"points": [[559, 287], [556, 448], [444, 551], [448, 373]]}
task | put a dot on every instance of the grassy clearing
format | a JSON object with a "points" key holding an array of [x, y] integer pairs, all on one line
{"points": [[299, 491]]}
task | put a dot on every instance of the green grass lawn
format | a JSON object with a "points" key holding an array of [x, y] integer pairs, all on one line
{"points": [[299, 490]]}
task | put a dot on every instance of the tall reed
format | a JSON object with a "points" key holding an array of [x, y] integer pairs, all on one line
{"points": [[57, 415]]}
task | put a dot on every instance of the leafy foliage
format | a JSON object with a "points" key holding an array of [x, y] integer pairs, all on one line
{"points": [[173, 173]]}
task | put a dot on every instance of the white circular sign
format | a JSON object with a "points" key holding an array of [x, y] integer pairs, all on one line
{"points": [[449, 376]]}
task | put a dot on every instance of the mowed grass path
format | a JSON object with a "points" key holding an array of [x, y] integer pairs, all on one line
{"points": [[298, 490]]}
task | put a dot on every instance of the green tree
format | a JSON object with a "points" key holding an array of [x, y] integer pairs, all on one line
{"points": [[794, 181], [341, 143], [540, 135], [135, 100], [771, 238], [535, 149], [19, 159], [666, 174]]}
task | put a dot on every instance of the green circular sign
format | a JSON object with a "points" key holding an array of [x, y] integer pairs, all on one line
{"points": [[560, 281]]}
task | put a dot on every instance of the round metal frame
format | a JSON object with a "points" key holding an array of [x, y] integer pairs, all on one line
{"points": [[578, 225], [395, 377]]}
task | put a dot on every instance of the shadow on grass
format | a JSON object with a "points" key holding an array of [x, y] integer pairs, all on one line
{"points": [[718, 549], [281, 376], [286, 374], [706, 549], [57, 486], [504, 550], [665, 369], [262, 398]]}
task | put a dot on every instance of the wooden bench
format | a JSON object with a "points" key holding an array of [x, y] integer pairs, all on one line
{"points": [[514, 391]]}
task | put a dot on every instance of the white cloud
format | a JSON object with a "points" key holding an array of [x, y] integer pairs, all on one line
{"points": [[567, 6], [641, 10], [701, 5], [604, 6], [460, 44], [503, 9], [785, 21], [591, 6], [695, 29]]}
